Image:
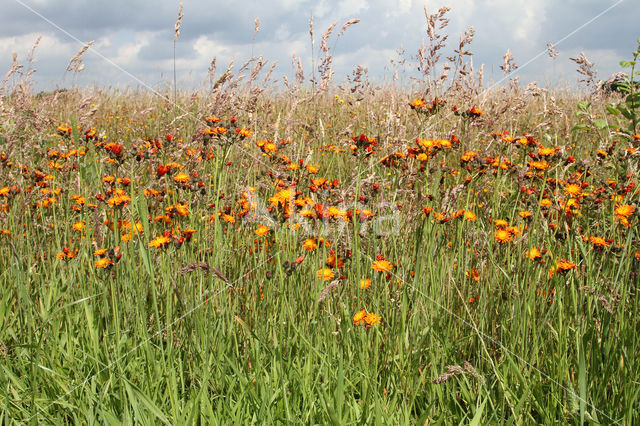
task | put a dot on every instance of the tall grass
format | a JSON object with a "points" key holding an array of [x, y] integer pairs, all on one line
{"points": [[103, 321]]}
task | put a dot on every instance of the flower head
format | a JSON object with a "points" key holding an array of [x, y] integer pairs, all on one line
{"points": [[381, 264], [325, 274]]}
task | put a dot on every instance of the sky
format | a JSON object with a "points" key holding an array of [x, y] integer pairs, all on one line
{"points": [[133, 39]]}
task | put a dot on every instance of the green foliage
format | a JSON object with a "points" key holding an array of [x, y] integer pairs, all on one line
{"points": [[630, 108]]}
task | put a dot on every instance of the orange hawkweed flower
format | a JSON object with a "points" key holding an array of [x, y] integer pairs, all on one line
{"points": [[281, 198], [534, 253], [417, 103], [313, 169], [121, 199], [159, 242], [228, 218], [468, 156], [503, 236], [470, 216], [365, 283], [473, 274], [562, 266], [181, 178], [500, 223], [262, 230], [104, 263], [381, 264], [538, 165], [475, 112], [67, 253], [545, 202], [310, 244], [526, 214], [573, 189], [358, 317], [325, 274], [544, 152], [624, 211], [244, 133], [599, 242], [372, 319], [334, 261]]}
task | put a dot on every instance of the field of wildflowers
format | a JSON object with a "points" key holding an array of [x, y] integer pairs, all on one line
{"points": [[357, 255]]}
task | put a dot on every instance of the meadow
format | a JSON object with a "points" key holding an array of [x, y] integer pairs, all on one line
{"points": [[320, 254]]}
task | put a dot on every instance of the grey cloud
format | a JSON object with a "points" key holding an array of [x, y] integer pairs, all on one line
{"points": [[384, 27]]}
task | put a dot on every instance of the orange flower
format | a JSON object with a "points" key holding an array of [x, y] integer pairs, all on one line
{"points": [[281, 198], [159, 242], [372, 319], [565, 265], [562, 266], [313, 169], [120, 199], [262, 230], [534, 253], [228, 218], [544, 152], [599, 242], [624, 211], [381, 264], [468, 156], [104, 263], [358, 317], [503, 236], [526, 214], [470, 216], [334, 261], [500, 223], [310, 244], [473, 274], [365, 283], [325, 274], [475, 112], [245, 133], [573, 189], [181, 178], [538, 165], [417, 103], [179, 209]]}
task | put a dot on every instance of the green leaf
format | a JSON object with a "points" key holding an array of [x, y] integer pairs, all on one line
{"points": [[625, 112], [143, 212], [136, 396], [584, 106], [633, 101], [582, 380], [477, 419], [613, 111], [74, 130], [600, 124], [627, 64], [579, 127]]}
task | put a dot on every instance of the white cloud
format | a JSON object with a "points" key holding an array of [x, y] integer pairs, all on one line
{"points": [[127, 54], [143, 43], [49, 47]]}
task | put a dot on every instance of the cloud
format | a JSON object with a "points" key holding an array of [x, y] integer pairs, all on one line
{"points": [[138, 34]]}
